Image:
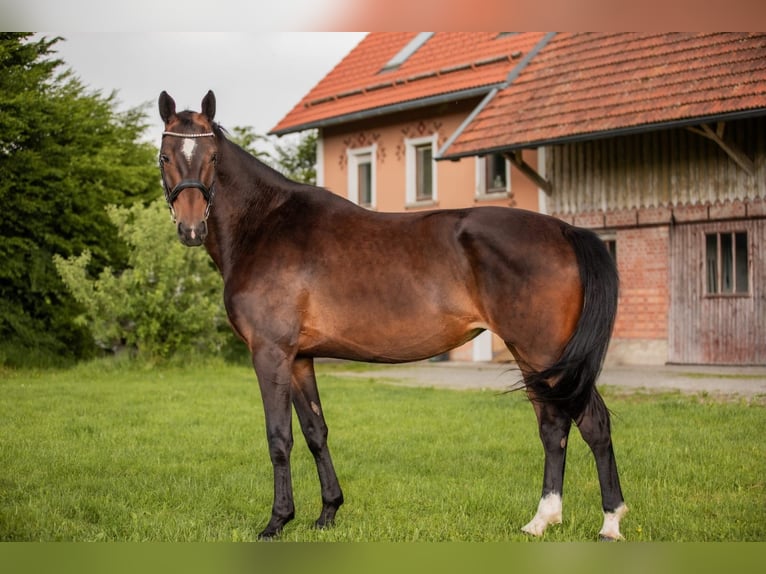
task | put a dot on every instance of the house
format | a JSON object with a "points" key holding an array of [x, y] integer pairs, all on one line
{"points": [[656, 141]]}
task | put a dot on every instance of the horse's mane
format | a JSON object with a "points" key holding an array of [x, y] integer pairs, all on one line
{"points": [[251, 166]]}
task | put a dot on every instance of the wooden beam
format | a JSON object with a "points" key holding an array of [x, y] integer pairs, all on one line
{"points": [[517, 160], [736, 154]]}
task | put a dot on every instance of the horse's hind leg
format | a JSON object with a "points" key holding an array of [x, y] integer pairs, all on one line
{"points": [[554, 425], [309, 410], [595, 429]]}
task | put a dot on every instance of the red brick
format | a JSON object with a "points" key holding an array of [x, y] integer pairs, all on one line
{"points": [[592, 219], [620, 218], [690, 213], [728, 210], [649, 215], [642, 255], [756, 207]]}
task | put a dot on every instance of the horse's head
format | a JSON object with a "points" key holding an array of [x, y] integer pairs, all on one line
{"points": [[187, 163]]}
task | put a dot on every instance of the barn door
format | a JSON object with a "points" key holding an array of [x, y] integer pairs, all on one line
{"points": [[718, 293]]}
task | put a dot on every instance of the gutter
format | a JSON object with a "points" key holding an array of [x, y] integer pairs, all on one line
{"points": [[616, 132], [391, 108]]}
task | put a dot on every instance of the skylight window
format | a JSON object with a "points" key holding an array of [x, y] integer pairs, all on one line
{"points": [[403, 54]]}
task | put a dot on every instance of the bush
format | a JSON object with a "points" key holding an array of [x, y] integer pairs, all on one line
{"points": [[168, 299]]}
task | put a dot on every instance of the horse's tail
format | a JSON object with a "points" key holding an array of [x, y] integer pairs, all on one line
{"points": [[576, 371]]}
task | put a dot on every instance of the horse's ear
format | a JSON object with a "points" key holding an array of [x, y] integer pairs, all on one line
{"points": [[208, 105], [167, 107]]}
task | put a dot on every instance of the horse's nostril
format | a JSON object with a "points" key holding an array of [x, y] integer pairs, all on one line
{"points": [[192, 235]]}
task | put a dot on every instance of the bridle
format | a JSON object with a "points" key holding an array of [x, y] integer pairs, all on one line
{"points": [[172, 194]]}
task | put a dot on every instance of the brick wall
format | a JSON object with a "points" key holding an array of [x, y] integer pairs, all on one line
{"points": [[643, 263]]}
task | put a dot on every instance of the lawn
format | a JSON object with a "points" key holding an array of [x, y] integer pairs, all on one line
{"points": [[109, 451]]}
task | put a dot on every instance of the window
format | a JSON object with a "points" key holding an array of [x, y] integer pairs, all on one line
{"points": [[403, 55], [421, 170], [726, 263], [424, 172], [364, 179], [492, 175], [361, 176]]}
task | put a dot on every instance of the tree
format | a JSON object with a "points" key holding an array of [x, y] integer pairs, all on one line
{"points": [[64, 155], [297, 158], [246, 138], [165, 300]]}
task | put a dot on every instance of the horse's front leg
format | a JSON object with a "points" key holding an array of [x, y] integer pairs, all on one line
{"points": [[309, 409], [273, 369]]}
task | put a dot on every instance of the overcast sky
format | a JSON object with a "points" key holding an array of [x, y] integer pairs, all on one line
{"points": [[257, 77]]}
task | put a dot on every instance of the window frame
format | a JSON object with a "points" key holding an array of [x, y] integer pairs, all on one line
{"points": [[482, 189], [411, 145], [357, 157], [719, 261]]}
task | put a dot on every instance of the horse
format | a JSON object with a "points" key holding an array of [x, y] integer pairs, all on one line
{"points": [[309, 274]]}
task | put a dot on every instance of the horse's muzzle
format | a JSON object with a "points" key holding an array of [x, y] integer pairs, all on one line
{"points": [[192, 235]]}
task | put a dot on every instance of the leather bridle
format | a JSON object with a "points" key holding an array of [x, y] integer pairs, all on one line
{"points": [[172, 194]]}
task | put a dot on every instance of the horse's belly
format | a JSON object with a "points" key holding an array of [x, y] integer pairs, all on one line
{"points": [[413, 341]]}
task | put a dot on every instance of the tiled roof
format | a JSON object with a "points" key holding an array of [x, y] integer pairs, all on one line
{"points": [[449, 63], [583, 84]]}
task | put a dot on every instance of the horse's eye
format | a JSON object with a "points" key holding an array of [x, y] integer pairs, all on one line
{"points": [[164, 159], [214, 158]]}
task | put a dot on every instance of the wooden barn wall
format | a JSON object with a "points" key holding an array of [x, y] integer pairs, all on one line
{"points": [[724, 329], [663, 168]]}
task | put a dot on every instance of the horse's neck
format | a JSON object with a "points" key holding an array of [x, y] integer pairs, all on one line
{"points": [[239, 209]]}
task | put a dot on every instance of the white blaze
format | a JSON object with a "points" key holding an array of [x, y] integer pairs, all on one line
{"points": [[188, 148]]}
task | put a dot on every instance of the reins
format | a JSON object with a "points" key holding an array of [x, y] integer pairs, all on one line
{"points": [[171, 195]]}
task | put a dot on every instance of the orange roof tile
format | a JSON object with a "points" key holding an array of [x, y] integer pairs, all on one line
{"points": [[448, 63], [583, 84]]}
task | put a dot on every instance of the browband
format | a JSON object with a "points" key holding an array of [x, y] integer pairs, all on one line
{"points": [[180, 135]]}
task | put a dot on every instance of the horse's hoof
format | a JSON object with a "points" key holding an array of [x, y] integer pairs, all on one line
{"points": [[602, 538], [326, 518], [269, 533], [266, 536]]}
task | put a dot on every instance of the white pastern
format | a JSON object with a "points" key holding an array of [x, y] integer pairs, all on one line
{"points": [[548, 512], [611, 528], [188, 148]]}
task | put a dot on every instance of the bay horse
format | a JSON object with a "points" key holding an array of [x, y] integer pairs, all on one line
{"points": [[309, 274]]}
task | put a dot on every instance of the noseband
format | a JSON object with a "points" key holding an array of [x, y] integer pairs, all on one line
{"points": [[172, 194]]}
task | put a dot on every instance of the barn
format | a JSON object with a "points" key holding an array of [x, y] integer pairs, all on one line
{"points": [[657, 142]]}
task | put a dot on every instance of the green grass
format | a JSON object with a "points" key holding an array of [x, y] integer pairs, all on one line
{"points": [[110, 451]]}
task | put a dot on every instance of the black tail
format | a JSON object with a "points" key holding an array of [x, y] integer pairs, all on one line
{"points": [[579, 366]]}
